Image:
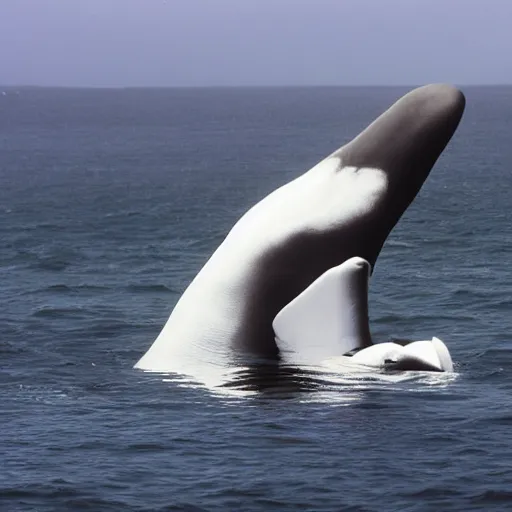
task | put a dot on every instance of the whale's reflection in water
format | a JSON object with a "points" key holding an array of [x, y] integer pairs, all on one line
{"points": [[337, 380]]}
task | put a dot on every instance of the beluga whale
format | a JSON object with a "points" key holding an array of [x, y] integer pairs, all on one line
{"points": [[290, 280]]}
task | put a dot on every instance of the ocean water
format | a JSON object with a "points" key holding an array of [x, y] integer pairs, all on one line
{"points": [[110, 202]]}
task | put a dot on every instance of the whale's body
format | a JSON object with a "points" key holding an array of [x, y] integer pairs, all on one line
{"points": [[344, 207]]}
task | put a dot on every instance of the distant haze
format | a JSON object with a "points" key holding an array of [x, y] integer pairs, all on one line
{"points": [[109, 43]]}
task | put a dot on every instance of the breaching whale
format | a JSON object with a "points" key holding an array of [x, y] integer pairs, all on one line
{"points": [[344, 207]]}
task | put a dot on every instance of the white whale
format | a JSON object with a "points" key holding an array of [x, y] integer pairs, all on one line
{"points": [[343, 207]]}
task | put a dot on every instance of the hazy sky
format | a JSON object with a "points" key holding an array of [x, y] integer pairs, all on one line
{"points": [[254, 42]]}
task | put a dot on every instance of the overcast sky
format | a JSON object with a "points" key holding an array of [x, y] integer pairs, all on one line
{"points": [[254, 42]]}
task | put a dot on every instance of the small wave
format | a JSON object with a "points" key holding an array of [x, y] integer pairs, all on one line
{"points": [[90, 503], [420, 317], [54, 259], [115, 327], [434, 492], [47, 225], [54, 312], [505, 305], [492, 496], [65, 289], [504, 419], [42, 394], [57, 288], [8, 348], [55, 264], [52, 491], [388, 318], [159, 288], [399, 243], [147, 447], [471, 293]]}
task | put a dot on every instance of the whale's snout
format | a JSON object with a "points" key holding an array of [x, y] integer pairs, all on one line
{"points": [[409, 137], [443, 100]]}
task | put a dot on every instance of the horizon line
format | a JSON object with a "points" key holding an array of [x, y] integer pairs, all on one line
{"points": [[243, 86]]}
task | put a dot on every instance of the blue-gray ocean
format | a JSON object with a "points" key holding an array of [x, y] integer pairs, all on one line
{"points": [[110, 202]]}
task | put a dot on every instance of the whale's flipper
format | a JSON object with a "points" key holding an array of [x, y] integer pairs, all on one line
{"points": [[443, 354], [425, 355], [327, 319]]}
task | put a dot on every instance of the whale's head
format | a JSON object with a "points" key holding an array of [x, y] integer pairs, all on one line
{"points": [[405, 143]]}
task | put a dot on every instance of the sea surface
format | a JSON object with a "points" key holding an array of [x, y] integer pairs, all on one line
{"points": [[111, 201]]}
